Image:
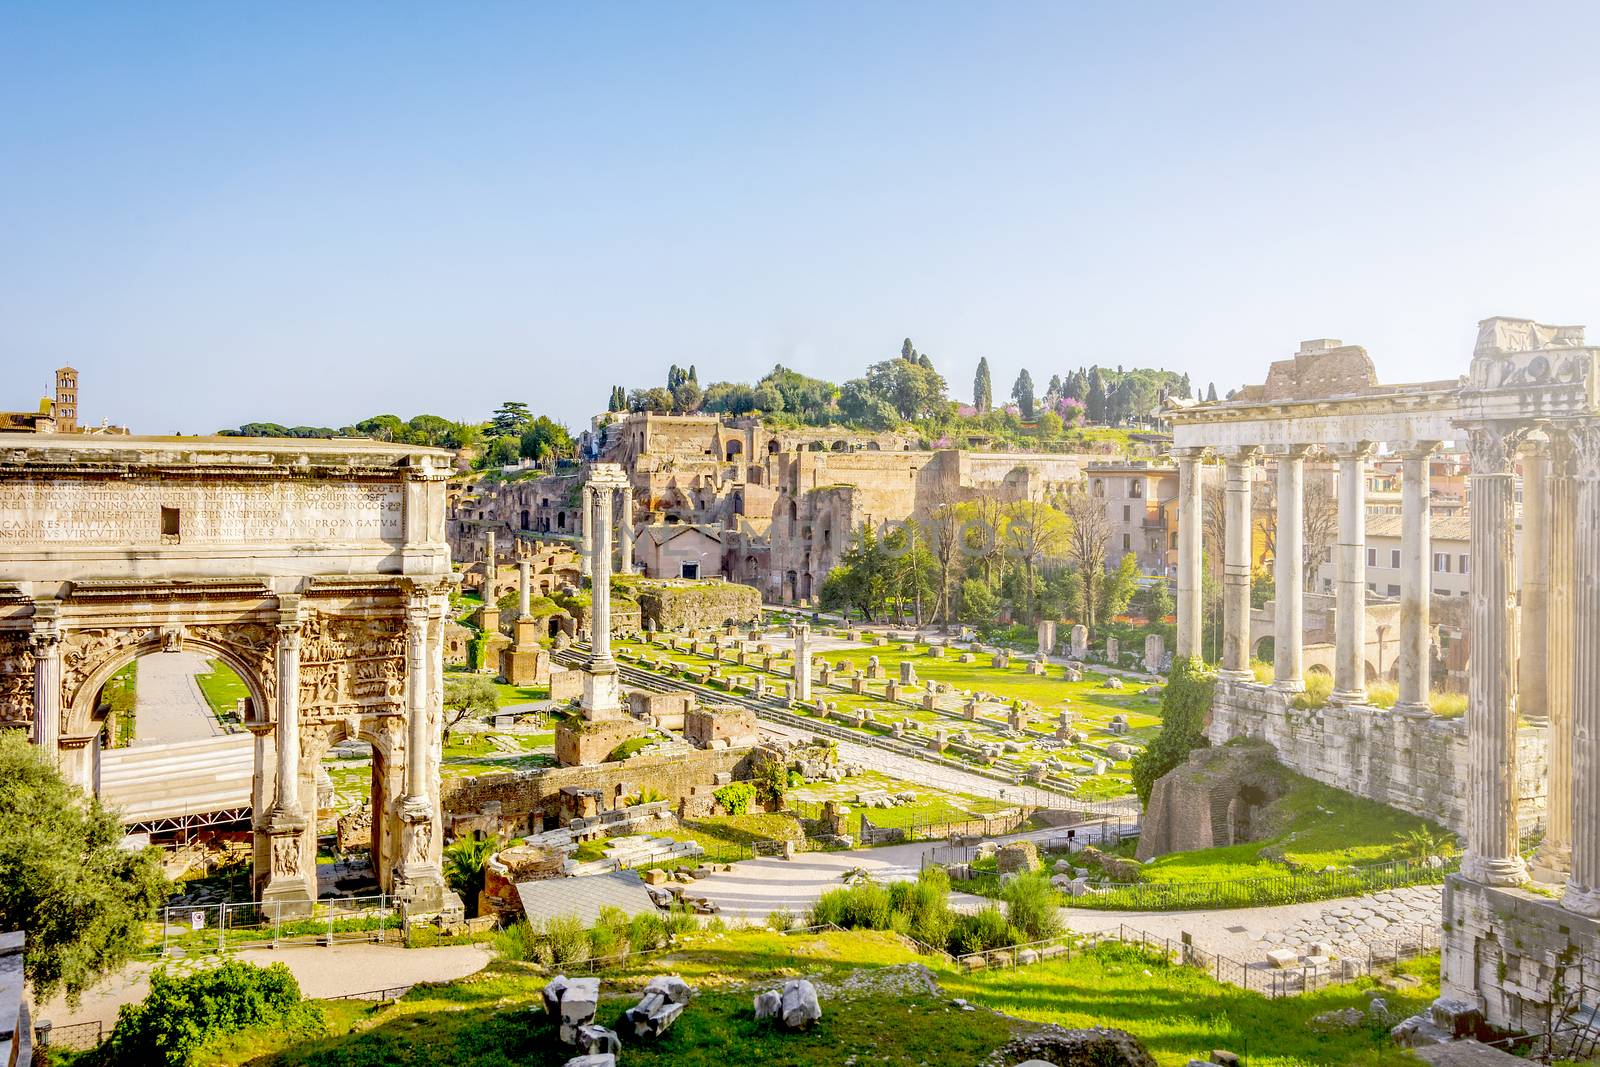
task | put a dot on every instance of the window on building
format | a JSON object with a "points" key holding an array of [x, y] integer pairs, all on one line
{"points": [[1136, 488], [1441, 563], [1394, 590], [1372, 557], [690, 570], [1394, 558], [1463, 568], [170, 523], [1127, 542], [1127, 513]]}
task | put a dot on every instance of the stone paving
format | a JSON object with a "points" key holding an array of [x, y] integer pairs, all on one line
{"points": [[1352, 925]]}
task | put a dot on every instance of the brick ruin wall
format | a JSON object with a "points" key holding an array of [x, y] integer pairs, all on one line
{"points": [[1417, 763], [527, 797]]}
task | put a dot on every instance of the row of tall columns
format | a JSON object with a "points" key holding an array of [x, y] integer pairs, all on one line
{"points": [[1289, 576]]}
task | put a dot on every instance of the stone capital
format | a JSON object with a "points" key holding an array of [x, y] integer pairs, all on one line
{"points": [[1417, 449], [1583, 440], [46, 641], [1492, 447], [1352, 450]]}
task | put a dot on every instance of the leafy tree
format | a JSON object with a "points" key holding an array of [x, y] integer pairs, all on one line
{"points": [[686, 397], [1184, 706], [982, 391], [467, 696], [861, 405], [1022, 393], [1086, 546], [546, 439], [1035, 532], [809, 398], [978, 603], [768, 398], [381, 428], [657, 400], [913, 390], [1184, 390], [1118, 586], [510, 419], [465, 861], [1051, 425], [503, 451], [64, 876], [1211, 393]]}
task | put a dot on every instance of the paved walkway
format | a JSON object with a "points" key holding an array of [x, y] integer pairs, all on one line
{"points": [[322, 972], [170, 706], [1247, 934]]}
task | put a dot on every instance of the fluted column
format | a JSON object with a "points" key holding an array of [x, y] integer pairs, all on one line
{"points": [[1533, 556], [524, 589], [1350, 636], [1416, 577], [1554, 858], [1491, 856], [286, 804], [802, 662], [1583, 885], [1236, 566], [1289, 576], [586, 518], [46, 639], [1190, 515], [416, 802]]}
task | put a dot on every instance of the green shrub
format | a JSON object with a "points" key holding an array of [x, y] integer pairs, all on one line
{"points": [[181, 1014], [1317, 693], [681, 920], [782, 920], [565, 940], [610, 935], [647, 932], [1031, 905], [982, 931], [863, 906], [735, 797], [518, 942], [1184, 706]]}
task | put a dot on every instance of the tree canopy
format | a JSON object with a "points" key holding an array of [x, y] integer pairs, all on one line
{"points": [[64, 877]]}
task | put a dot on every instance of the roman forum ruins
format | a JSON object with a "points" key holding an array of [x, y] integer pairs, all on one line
{"points": [[1529, 414], [316, 570]]}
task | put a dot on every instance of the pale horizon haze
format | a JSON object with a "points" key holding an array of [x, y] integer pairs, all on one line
{"points": [[311, 214]]}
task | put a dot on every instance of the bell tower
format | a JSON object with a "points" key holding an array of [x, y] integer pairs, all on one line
{"points": [[66, 410]]}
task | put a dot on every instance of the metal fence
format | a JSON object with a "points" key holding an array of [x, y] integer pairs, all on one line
{"points": [[79, 1036], [201, 928]]}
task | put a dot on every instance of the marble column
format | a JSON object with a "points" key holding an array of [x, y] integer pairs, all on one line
{"points": [[600, 573], [1191, 509], [491, 570], [625, 532], [1289, 572], [1554, 858], [46, 639], [1533, 559], [524, 589], [1416, 578], [802, 662], [416, 801], [1236, 567], [286, 805], [1350, 604], [586, 518], [1491, 855], [1583, 884]]}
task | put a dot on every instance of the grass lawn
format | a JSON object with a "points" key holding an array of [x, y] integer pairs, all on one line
{"points": [[491, 1019], [933, 806], [222, 688]]}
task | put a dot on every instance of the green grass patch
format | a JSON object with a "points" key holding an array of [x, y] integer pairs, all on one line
{"points": [[223, 689]]}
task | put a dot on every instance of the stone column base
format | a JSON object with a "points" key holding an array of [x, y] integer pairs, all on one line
{"points": [[1552, 864], [1505, 871], [290, 890], [1349, 696], [602, 696]]}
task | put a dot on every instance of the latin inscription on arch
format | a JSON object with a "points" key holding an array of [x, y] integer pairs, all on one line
{"points": [[130, 514]]}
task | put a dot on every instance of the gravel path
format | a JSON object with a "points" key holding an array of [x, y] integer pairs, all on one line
{"points": [[335, 971], [1351, 924]]}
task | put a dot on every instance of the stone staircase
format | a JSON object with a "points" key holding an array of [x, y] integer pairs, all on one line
{"points": [[150, 782], [635, 851]]}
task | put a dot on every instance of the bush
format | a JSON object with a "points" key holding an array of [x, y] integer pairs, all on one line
{"points": [[1317, 693], [982, 931], [681, 920], [863, 906], [1184, 706], [736, 797], [782, 920], [647, 931], [565, 940], [919, 909], [518, 942], [610, 935], [1031, 906], [180, 1015]]}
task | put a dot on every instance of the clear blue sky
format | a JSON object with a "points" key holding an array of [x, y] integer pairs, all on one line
{"points": [[313, 213]]}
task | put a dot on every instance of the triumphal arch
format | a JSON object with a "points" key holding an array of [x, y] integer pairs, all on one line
{"points": [[317, 570]]}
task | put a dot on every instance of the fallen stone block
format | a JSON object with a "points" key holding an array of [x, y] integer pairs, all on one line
{"points": [[800, 1005], [604, 1059], [1283, 957], [595, 1040], [768, 1005], [579, 1000]]}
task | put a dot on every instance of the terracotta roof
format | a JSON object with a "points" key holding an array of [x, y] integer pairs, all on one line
{"points": [[1453, 528]]}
